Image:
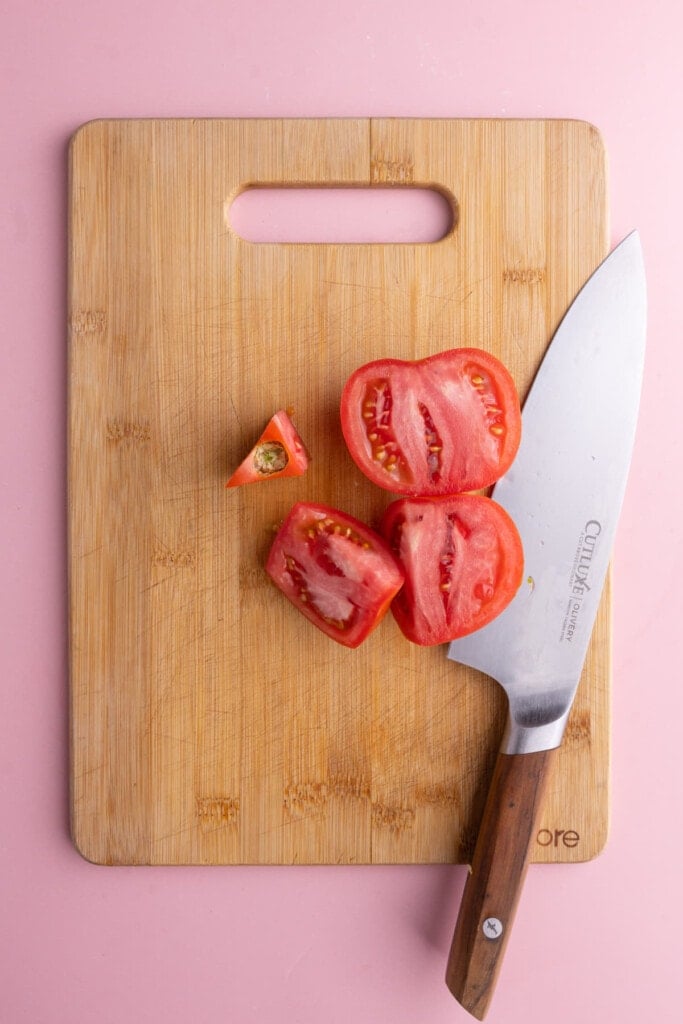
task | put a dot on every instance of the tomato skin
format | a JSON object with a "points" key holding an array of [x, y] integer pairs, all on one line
{"points": [[463, 562], [338, 572], [279, 451], [441, 425]]}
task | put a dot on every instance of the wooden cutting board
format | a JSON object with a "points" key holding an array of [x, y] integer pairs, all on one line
{"points": [[210, 723]]}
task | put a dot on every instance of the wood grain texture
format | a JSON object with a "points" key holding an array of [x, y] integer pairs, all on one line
{"points": [[511, 821], [210, 724]]}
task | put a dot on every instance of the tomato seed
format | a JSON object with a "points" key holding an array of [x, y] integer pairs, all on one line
{"points": [[329, 527]]}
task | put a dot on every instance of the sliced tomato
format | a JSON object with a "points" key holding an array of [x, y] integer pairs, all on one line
{"points": [[463, 563], [279, 451], [338, 572], [441, 425]]}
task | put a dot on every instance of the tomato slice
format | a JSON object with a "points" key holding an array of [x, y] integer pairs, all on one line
{"points": [[337, 571], [463, 562], [279, 451], [441, 425]]}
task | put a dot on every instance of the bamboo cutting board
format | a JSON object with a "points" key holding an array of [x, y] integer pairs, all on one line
{"points": [[210, 723]]}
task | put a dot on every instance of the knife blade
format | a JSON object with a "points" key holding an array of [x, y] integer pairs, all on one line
{"points": [[564, 492]]}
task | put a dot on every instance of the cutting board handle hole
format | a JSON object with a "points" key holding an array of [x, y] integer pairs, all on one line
{"points": [[380, 214]]}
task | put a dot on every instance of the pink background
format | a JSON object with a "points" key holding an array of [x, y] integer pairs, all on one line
{"points": [[595, 942]]}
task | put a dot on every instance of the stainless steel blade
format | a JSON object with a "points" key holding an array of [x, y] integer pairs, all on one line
{"points": [[564, 492]]}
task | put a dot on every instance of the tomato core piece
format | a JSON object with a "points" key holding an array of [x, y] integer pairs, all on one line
{"points": [[279, 451], [270, 457]]}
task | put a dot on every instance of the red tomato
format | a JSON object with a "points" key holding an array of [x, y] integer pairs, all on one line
{"points": [[339, 573], [441, 425], [463, 562], [279, 451]]}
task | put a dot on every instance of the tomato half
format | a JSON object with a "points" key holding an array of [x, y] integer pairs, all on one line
{"points": [[441, 425], [463, 562], [338, 572], [279, 451]]}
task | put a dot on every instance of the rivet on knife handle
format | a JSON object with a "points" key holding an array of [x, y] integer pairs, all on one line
{"points": [[492, 890]]}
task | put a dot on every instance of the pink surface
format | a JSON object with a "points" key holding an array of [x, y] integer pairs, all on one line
{"points": [[593, 943], [345, 215]]}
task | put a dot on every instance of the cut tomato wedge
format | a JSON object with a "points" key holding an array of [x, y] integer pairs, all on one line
{"points": [[338, 572], [279, 451], [463, 562], [442, 425]]}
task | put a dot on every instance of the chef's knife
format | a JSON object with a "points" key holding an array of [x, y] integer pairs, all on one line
{"points": [[564, 492]]}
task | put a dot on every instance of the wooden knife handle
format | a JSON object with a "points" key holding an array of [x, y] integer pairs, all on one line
{"points": [[492, 890]]}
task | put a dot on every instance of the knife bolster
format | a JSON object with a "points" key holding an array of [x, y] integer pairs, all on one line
{"points": [[523, 736]]}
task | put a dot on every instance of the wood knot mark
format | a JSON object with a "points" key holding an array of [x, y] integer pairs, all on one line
{"points": [[217, 811], [524, 275], [168, 558], [395, 819], [88, 321], [391, 172], [303, 797], [349, 787], [578, 728], [128, 431], [440, 794]]}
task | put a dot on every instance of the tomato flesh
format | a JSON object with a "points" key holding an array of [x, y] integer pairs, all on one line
{"points": [[279, 451], [441, 425], [338, 572], [463, 562]]}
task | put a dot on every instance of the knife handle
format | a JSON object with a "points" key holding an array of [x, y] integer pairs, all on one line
{"points": [[501, 857]]}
